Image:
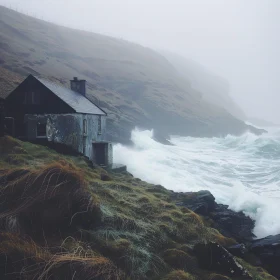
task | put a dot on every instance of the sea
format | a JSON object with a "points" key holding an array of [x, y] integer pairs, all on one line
{"points": [[242, 172]]}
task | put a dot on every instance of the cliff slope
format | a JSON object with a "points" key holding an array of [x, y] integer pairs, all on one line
{"points": [[213, 88], [135, 85]]}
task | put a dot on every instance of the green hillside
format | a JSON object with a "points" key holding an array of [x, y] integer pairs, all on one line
{"points": [[62, 218]]}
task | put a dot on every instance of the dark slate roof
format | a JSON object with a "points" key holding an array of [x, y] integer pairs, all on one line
{"points": [[74, 99]]}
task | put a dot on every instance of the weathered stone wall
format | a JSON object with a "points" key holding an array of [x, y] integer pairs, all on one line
{"points": [[110, 154], [68, 129]]}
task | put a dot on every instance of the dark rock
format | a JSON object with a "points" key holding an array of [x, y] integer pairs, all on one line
{"points": [[213, 256], [268, 250], [161, 138], [231, 224], [257, 131], [202, 202], [105, 177], [238, 250], [269, 241]]}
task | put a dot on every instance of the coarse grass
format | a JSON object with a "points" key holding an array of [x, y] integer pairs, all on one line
{"points": [[60, 220], [179, 259], [24, 259], [258, 273], [214, 276], [179, 275], [54, 197], [67, 266]]}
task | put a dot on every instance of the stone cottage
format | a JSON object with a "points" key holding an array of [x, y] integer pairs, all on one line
{"points": [[45, 112]]}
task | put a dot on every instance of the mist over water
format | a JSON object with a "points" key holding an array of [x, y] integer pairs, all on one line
{"points": [[242, 172]]}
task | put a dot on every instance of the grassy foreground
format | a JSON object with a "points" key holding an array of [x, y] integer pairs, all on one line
{"points": [[61, 218]]}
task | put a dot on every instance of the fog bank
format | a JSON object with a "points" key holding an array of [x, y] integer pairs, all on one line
{"points": [[238, 39]]}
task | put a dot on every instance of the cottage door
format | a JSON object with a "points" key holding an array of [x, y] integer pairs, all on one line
{"points": [[100, 153]]}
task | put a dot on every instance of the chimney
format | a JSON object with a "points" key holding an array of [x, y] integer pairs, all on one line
{"points": [[78, 86]]}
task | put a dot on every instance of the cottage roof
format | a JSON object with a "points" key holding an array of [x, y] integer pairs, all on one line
{"points": [[74, 99]]}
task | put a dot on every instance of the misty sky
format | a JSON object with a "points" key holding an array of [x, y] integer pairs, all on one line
{"points": [[237, 39]]}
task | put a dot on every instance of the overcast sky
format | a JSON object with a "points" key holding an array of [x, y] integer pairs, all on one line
{"points": [[237, 39]]}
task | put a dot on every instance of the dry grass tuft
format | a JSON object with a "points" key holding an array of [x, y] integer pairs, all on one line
{"points": [[24, 259], [52, 198], [20, 258], [216, 236], [69, 266], [179, 259]]}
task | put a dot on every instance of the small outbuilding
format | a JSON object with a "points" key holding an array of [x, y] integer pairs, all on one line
{"points": [[41, 111]]}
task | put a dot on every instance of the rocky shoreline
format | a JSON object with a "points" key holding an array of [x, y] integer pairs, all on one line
{"points": [[263, 252]]}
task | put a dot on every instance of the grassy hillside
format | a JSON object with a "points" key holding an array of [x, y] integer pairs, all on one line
{"points": [[135, 85], [61, 218]]}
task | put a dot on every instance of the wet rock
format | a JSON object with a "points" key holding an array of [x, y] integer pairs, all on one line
{"points": [[257, 131], [202, 202], [268, 250], [238, 250], [161, 138], [213, 256], [231, 224]]}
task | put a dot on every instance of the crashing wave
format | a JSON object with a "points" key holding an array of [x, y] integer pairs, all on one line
{"points": [[243, 172]]}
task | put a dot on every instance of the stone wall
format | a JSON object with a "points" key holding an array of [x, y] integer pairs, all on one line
{"points": [[68, 129]]}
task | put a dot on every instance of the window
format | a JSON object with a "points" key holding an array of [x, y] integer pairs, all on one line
{"points": [[85, 126], [99, 125], [41, 130]]}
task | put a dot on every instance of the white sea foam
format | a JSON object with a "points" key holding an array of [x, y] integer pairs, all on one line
{"points": [[243, 172]]}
